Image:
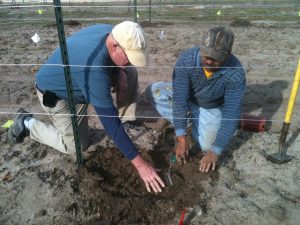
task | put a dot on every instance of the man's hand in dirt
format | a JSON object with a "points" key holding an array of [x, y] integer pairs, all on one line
{"points": [[209, 161], [148, 175], [181, 150]]}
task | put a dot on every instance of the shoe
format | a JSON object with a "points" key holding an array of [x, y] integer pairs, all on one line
{"points": [[18, 131], [160, 124]]}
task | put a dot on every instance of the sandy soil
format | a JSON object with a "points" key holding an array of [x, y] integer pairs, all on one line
{"points": [[41, 186]]}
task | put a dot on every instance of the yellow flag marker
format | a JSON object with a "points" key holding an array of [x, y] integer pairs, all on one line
{"points": [[299, 13], [8, 124], [40, 11], [219, 12]]}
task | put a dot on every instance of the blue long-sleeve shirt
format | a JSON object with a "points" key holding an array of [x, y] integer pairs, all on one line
{"points": [[91, 69], [225, 87]]}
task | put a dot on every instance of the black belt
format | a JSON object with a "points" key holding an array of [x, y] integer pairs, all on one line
{"points": [[44, 92], [49, 98]]}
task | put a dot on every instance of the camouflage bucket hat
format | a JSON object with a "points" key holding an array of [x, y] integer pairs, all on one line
{"points": [[217, 43]]}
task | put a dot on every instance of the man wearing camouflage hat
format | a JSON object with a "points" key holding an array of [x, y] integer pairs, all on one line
{"points": [[206, 92]]}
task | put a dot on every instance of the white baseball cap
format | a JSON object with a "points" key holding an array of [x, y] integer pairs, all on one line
{"points": [[131, 38]]}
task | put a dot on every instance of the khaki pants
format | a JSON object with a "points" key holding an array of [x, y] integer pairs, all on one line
{"points": [[59, 135]]}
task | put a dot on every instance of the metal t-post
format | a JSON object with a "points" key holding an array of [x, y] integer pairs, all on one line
{"points": [[66, 65], [150, 6], [135, 11]]}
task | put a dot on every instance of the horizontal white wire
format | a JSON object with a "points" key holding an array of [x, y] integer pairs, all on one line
{"points": [[149, 66], [30, 21], [153, 18], [140, 117], [201, 6], [162, 16], [126, 7], [212, 13]]}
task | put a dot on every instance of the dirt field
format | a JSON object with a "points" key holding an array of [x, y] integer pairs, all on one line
{"points": [[41, 186]]}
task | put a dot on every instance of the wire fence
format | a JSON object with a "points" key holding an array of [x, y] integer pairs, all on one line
{"points": [[154, 11], [16, 12], [139, 117]]}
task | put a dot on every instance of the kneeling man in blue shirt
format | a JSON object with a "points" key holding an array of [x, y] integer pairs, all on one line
{"points": [[206, 92]]}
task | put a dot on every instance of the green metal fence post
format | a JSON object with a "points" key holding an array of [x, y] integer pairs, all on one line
{"points": [[67, 71], [150, 11], [135, 11]]}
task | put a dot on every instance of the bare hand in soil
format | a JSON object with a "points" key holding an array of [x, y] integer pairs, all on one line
{"points": [[148, 175], [208, 161], [181, 150]]}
